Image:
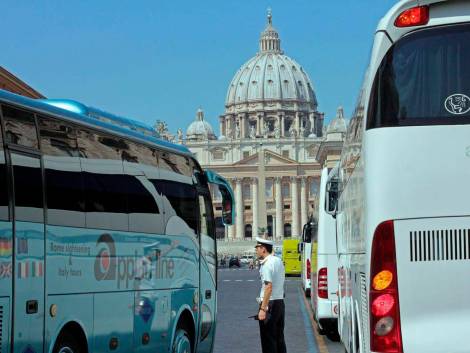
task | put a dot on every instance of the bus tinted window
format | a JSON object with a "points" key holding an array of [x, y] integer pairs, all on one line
{"points": [[182, 198], [105, 192], [139, 199], [4, 212], [175, 163], [57, 138], [20, 127], [424, 79]]}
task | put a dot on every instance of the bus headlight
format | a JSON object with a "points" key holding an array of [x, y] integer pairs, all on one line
{"points": [[206, 322]]}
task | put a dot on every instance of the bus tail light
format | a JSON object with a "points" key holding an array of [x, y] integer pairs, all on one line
{"points": [[416, 16], [323, 283], [385, 328], [308, 269]]}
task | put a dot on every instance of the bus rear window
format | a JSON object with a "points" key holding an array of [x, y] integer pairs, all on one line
{"points": [[424, 79]]}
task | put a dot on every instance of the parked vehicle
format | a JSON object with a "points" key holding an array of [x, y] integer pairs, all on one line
{"points": [[403, 212], [234, 262], [324, 295], [103, 245], [291, 256], [308, 233]]}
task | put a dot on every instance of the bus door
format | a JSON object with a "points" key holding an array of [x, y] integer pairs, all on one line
{"points": [[208, 273], [28, 252]]}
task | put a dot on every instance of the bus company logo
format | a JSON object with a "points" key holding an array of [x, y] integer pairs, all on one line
{"points": [[105, 262], [457, 104]]}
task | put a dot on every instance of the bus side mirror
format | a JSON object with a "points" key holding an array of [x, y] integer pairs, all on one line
{"points": [[331, 197], [227, 205]]}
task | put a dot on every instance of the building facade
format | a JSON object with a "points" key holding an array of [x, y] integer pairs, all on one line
{"points": [[271, 144], [10, 82]]}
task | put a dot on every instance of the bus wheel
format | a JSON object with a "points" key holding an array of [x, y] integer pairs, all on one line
{"points": [[182, 342], [67, 344]]}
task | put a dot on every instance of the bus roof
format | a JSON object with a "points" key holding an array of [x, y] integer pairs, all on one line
{"points": [[79, 116]]}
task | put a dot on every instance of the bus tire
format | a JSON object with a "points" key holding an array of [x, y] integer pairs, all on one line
{"points": [[181, 342], [67, 344]]}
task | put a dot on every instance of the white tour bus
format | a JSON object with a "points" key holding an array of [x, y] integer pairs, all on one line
{"points": [[324, 295], [403, 231]]}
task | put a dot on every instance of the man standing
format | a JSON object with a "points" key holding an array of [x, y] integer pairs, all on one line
{"points": [[271, 311]]}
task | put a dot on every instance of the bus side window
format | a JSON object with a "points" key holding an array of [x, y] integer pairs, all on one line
{"points": [[175, 163], [104, 180], [4, 209], [64, 182], [20, 127], [182, 198]]}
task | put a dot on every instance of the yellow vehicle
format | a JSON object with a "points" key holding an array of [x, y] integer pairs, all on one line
{"points": [[291, 257]]}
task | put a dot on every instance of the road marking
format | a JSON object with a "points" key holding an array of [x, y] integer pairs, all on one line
{"points": [[227, 280], [321, 344], [250, 280], [312, 347], [238, 280]]}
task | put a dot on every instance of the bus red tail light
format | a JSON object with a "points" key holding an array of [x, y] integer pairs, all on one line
{"points": [[385, 328], [308, 268], [416, 16], [323, 283]]}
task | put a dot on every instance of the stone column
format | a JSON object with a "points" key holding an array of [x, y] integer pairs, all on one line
{"points": [[279, 220], [303, 202], [297, 123], [294, 207], [231, 228], [254, 207], [240, 209], [258, 125], [222, 125], [283, 126]]}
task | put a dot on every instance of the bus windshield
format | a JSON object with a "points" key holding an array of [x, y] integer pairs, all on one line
{"points": [[424, 79]]}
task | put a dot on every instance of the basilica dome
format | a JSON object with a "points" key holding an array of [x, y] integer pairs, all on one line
{"points": [[200, 129], [271, 76]]}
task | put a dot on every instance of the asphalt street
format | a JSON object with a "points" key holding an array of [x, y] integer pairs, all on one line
{"points": [[236, 333]]}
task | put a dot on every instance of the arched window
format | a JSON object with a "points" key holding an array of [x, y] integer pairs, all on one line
{"points": [[248, 231], [287, 230]]}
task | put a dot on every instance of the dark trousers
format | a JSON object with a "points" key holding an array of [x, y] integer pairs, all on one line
{"points": [[272, 329]]}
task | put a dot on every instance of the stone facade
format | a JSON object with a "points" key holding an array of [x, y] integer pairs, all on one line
{"points": [[272, 145]]}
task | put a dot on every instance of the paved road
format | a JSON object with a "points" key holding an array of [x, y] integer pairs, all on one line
{"points": [[237, 290]]}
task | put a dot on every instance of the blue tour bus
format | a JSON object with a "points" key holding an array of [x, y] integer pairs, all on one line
{"points": [[107, 234]]}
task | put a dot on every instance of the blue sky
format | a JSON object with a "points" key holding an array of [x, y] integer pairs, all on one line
{"points": [[155, 59]]}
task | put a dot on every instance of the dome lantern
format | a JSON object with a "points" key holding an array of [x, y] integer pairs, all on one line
{"points": [[270, 41]]}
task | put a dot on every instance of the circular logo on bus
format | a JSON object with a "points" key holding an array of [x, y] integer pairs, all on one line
{"points": [[457, 104], [104, 258]]}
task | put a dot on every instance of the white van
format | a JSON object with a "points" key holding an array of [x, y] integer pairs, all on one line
{"points": [[324, 294]]}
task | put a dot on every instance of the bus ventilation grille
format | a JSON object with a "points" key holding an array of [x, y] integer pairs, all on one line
{"points": [[365, 312], [440, 245]]}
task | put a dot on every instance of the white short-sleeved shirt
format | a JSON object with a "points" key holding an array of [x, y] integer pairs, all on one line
{"points": [[272, 270]]}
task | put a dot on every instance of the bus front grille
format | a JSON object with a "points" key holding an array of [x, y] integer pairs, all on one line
{"points": [[440, 245]]}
